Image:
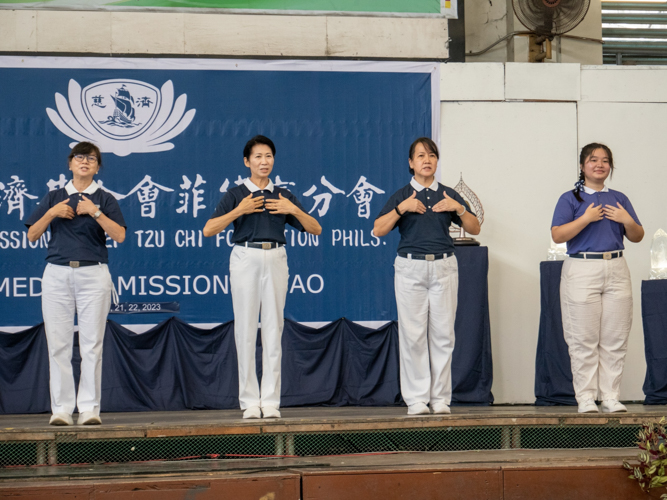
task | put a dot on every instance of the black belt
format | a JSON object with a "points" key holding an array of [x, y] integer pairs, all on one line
{"points": [[428, 256], [79, 263], [263, 246], [604, 256]]}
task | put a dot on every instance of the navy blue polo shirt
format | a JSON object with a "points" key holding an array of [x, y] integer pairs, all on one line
{"points": [[259, 226], [603, 235], [426, 233], [80, 238]]}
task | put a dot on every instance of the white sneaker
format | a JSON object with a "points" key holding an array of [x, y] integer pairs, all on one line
{"points": [[612, 406], [61, 419], [418, 409], [440, 408], [588, 406], [88, 418], [253, 412], [270, 412]]}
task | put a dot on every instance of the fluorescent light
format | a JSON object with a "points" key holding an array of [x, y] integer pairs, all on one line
{"points": [[633, 40], [635, 26], [633, 11]]}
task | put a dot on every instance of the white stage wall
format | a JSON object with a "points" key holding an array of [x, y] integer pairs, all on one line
{"points": [[519, 156]]}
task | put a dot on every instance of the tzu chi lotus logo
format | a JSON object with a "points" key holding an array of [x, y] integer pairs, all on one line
{"points": [[122, 116]]}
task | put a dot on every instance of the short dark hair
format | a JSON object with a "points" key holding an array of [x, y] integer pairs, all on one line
{"points": [[586, 152], [258, 139], [428, 144], [85, 148]]}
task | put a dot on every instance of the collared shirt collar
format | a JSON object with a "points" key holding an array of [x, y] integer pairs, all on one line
{"points": [[588, 190], [252, 187], [69, 187], [418, 187]]}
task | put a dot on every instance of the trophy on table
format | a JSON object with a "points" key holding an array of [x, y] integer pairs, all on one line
{"points": [[475, 205], [557, 251], [659, 256]]}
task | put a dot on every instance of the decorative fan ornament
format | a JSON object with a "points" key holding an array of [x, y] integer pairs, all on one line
{"points": [[475, 206], [550, 17]]}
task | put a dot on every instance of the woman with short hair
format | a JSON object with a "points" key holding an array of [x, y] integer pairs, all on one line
{"points": [[76, 280], [426, 278], [258, 271]]}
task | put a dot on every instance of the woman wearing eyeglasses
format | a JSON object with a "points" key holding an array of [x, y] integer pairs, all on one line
{"points": [[77, 281]]}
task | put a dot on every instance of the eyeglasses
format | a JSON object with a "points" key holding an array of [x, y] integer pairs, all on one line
{"points": [[90, 158]]}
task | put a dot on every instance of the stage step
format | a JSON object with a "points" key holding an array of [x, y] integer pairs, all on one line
{"points": [[496, 474], [27, 441]]}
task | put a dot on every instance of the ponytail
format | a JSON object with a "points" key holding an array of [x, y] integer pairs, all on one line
{"points": [[578, 186]]}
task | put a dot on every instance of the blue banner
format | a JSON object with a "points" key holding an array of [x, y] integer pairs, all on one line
{"points": [[172, 134]]}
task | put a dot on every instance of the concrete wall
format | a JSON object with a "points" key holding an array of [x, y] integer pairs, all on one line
{"points": [[177, 33], [515, 131]]}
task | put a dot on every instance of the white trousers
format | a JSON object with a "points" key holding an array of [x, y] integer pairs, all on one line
{"points": [[259, 285], [85, 291], [596, 303], [426, 300]]}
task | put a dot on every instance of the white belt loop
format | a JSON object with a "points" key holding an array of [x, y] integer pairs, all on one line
{"points": [[409, 256]]}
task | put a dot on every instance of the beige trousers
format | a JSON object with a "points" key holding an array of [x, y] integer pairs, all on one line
{"points": [[596, 303]]}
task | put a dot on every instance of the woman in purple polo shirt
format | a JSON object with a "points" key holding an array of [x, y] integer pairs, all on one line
{"points": [[595, 288], [426, 278], [77, 281]]}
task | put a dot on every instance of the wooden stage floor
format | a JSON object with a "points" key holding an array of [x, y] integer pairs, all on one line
{"points": [[329, 418]]}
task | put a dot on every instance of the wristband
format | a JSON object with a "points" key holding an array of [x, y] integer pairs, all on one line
{"points": [[399, 213], [464, 211]]}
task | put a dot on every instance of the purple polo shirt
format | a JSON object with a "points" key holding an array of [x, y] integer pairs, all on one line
{"points": [[604, 235]]}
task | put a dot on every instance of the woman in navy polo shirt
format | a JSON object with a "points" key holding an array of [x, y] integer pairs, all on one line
{"points": [[595, 288], [258, 271], [426, 278], [77, 281]]}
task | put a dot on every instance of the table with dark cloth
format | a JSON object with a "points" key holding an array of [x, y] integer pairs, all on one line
{"points": [[654, 317], [553, 373], [175, 366]]}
